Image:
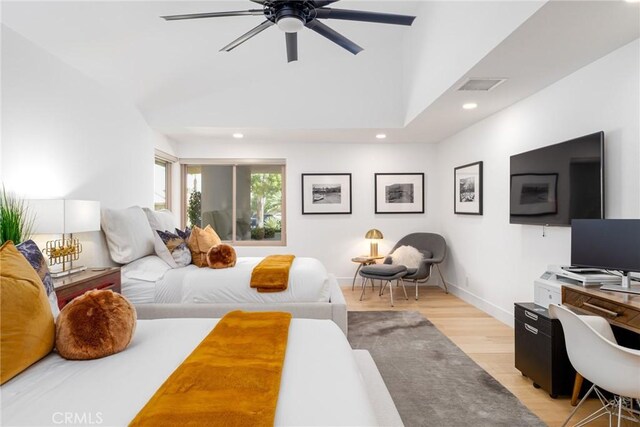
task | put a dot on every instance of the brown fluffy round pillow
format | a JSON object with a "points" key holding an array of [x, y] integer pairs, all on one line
{"points": [[221, 256], [94, 325]]}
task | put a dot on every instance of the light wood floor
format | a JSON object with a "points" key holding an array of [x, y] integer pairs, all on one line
{"points": [[489, 342]]}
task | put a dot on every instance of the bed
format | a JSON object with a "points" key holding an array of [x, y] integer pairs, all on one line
{"points": [[308, 282], [156, 288], [323, 382]]}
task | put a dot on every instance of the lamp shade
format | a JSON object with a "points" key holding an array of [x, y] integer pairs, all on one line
{"points": [[374, 234], [65, 216]]}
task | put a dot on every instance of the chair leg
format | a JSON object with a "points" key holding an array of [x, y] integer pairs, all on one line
{"points": [[620, 399], [383, 286], [415, 282], [577, 385], [404, 289], [608, 408], [364, 286], [390, 291], [446, 291], [578, 406], [355, 276]]}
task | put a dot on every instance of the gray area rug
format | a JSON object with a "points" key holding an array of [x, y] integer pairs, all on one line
{"points": [[432, 382]]}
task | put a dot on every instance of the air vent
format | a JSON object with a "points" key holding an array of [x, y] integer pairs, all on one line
{"points": [[482, 85]]}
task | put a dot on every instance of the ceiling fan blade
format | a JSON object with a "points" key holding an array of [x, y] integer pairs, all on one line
{"points": [[213, 14], [323, 3], [334, 36], [246, 36], [292, 46], [363, 16]]}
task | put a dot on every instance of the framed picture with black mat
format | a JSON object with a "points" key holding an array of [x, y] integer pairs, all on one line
{"points": [[326, 193], [397, 193], [467, 189]]}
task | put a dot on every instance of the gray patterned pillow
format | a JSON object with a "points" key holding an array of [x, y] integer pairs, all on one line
{"points": [[177, 248], [32, 253]]}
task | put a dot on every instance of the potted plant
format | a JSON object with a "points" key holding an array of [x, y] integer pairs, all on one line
{"points": [[16, 221], [194, 209], [257, 233]]}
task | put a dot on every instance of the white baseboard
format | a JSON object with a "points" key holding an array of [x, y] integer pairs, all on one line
{"points": [[343, 281], [498, 312], [493, 310]]}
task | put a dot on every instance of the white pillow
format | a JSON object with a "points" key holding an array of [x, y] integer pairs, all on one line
{"points": [[150, 269], [129, 236], [408, 256], [162, 220]]}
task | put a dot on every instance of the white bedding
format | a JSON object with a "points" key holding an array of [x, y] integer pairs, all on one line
{"points": [[138, 291], [321, 384], [308, 282]]}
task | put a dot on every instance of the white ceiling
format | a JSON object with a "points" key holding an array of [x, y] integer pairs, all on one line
{"points": [[188, 90]]}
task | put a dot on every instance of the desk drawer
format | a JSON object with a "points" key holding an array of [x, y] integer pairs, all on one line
{"points": [[533, 354], [537, 320], [615, 313]]}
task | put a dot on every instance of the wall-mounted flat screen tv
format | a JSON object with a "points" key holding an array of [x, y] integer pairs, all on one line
{"points": [[558, 183]]}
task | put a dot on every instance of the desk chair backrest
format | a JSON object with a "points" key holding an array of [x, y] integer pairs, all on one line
{"points": [[596, 358]]}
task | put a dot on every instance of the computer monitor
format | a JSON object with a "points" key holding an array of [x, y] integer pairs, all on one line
{"points": [[610, 244]]}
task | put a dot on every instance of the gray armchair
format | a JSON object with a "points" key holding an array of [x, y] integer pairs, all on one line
{"points": [[434, 249]]}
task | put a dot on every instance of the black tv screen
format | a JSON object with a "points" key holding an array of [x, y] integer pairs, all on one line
{"points": [[556, 184], [612, 244]]}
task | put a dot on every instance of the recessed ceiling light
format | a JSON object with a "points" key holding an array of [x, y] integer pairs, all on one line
{"points": [[238, 135], [470, 106], [632, 1], [381, 135]]}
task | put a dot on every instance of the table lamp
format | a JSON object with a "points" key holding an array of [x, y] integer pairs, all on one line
{"points": [[374, 235], [64, 217]]}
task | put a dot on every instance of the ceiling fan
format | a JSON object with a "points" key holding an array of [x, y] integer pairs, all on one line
{"points": [[291, 16]]}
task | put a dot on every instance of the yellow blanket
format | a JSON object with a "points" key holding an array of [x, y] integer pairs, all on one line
{"points": [[231, 379], [272, 274]]}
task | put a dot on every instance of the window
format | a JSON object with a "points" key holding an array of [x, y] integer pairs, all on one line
{"points": [[162, 181], [160, 184], [242, 201]]}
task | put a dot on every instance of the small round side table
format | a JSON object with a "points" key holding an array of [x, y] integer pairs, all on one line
{"points": [[362, 261]]}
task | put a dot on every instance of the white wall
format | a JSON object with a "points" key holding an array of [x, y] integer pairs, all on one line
{"points": [[65, 136], [450, 37], [335, 239], [492, 263]]}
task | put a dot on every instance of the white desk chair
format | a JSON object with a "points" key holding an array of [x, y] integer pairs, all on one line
{"points": [[595, 354]]}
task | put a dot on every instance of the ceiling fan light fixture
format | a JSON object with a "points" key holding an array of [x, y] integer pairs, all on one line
{"points": [[290, 24], [291, 16]]}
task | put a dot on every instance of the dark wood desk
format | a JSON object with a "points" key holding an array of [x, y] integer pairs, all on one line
{"points": [[621, 311]]}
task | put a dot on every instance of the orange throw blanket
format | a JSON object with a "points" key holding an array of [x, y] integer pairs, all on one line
{"points": [[272, 274], [231, 379]]}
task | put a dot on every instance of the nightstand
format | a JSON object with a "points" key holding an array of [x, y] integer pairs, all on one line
{"points": [[69, 287]]}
